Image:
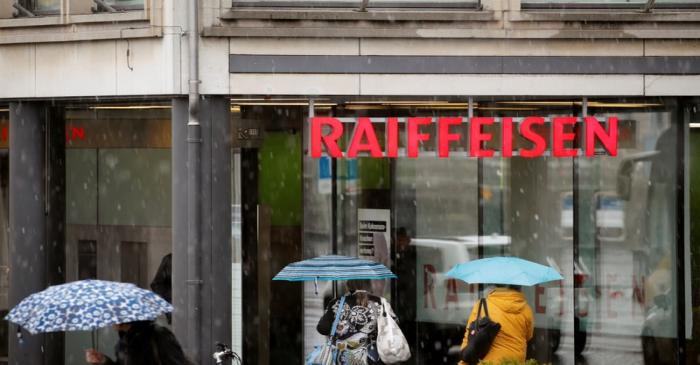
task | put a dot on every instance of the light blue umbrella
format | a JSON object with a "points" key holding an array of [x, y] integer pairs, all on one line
{"points": [[86, 305], [503, 270], [334, 267]]}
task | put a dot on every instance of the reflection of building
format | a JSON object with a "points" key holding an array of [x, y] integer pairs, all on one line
{"points": [[95, 183]]}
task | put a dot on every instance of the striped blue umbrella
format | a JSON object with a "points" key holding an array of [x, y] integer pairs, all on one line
{"points": [[86, 305], [334, 267]]}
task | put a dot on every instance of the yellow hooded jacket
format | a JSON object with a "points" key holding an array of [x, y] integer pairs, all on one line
{"points": [[509, 308]]}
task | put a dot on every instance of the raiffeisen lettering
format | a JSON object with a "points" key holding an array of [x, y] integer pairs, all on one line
{"points": [[326, 132]]}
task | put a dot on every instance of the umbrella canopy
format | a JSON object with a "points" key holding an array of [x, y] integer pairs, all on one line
{"points": [[503, 270], [334, 267], [86, 305]]}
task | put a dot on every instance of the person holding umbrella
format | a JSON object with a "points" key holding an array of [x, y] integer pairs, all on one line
{"points": [[507, 325], [88, 305], [508, 307], [142, 343], [357, 327], [360, 325]]}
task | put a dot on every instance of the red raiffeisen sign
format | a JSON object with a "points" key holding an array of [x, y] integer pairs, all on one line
{"points": [[327, 132]]}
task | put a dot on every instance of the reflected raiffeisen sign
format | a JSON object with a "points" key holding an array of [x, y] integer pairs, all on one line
{"points": [[480, 136]]}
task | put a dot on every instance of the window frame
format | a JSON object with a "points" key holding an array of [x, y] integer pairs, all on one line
{"points": [[357, 4], [31, 5], [132, 7], [569, 5]]}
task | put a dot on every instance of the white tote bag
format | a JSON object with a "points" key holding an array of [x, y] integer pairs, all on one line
{"points": [[391, 343]]}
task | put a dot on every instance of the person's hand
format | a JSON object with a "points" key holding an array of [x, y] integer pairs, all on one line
{"points": [[93, 356]]}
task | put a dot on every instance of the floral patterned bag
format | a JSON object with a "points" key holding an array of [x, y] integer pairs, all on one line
{"points": [[353, 350]]}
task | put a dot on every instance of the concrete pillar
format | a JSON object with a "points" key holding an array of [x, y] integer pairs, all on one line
{"points": [[179, 217], [27, 220], [216, 224], [55, 167]]}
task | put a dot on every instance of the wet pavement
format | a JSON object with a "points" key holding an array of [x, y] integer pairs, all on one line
{"points": [[601, 351]]}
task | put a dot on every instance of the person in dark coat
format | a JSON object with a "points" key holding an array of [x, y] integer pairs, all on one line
{"points": [[162, 283], [142, 343]]}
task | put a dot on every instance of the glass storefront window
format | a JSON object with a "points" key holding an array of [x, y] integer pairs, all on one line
{"points": [[525, 205], [692, 253], [628, 239], [236, 246], [126, 4], [54, 6], [46, 5], [587, 3], [267, 201], [359, 4], [610, 4], [118, 201], [4, 230], [607, 224]]}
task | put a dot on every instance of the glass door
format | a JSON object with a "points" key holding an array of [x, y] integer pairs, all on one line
{"points": [[267, 231], [627, 240]]}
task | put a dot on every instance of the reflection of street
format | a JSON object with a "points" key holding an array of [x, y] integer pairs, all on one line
{"points": [[601, 350], [313, 310]]}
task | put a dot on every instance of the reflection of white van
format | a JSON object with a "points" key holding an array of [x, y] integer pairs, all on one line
{"points": [[442, 300], [439, 298], [609, 217]]}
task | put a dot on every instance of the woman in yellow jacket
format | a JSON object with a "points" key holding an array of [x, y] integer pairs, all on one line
{"points": [[508, 307]]}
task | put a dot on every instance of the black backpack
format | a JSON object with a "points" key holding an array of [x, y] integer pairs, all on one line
{"points": [[482, 332]]}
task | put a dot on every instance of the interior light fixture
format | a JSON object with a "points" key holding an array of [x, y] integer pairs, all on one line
{"points": [[276, 103], [404, 102], [129, 107], [237, 108], [420, 107], [590, 104], [426, 103], [694, 125], [271, 100], [597, 104], [365, 107], [4, 110], [540, 102], [504, 108]]}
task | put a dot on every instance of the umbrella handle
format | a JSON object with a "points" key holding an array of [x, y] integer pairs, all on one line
{"points": [[20, 338]]}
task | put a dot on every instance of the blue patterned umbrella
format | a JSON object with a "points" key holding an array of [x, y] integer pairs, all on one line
{"points": [[86, 305], [334, 267]]}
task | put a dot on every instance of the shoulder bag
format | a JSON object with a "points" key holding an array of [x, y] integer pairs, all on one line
{"points": [[391, 343], [482, 332], [327, 354]]}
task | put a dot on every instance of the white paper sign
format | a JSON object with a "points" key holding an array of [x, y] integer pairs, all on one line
{"points": [[374, 236]]}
